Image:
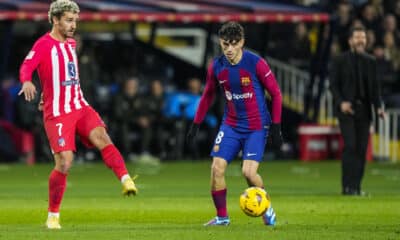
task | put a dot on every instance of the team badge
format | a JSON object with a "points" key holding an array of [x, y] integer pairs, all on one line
{"points": [[216, 148], [245, 81], [61, 142], [71, 70]]}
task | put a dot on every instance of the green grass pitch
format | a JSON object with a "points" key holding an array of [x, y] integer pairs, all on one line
{"points": [[174, 201]]}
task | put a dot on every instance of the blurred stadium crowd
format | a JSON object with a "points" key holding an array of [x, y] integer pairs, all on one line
{"points": [[148, 99]]}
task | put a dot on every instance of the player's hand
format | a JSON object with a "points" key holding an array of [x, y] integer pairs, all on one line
{"points": [[193, 130], [276, 136], [29, 91], [40, 105]]}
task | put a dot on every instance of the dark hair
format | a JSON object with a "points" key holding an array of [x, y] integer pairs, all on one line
{"points": [[356, 29], [231, 31]]}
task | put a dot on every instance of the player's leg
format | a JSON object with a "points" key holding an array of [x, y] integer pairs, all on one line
{"points": [[226, 146], [218, 185], [253, 152], [249, 171], [61, 135], [93, 133], [113, 159], [57, 186], [218, 192]]}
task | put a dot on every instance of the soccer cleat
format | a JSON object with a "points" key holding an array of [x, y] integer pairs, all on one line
{"points": [[269, 217], [53, 222], [218, 221], [129, 187]]}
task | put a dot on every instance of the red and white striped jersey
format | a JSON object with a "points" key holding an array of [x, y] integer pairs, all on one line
{"points": [[57, 66]]}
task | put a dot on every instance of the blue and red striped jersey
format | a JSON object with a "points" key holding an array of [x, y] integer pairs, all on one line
{"points": [[243, 85]]}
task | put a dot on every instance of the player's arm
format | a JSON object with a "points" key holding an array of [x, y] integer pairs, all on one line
{"points": [[29, 65], [269, 82], [206, 100], [208, 96]]}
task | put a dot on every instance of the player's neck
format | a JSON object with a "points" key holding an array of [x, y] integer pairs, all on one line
{"points": [[237, 58], [57, 36]]}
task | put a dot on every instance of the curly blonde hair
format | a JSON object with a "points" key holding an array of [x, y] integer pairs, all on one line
{"points": [[58, 7]]}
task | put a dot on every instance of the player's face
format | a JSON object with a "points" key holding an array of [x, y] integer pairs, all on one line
{"points": [[66, 25], [232, 50], [358, 41]]}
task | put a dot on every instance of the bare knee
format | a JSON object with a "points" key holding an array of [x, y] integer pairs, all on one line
{"points": [[99, 137], [64, 161], [249, 174], [65, 167], [217, 170]]}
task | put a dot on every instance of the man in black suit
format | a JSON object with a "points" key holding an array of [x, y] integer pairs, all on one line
{"points": [[355, 89]]}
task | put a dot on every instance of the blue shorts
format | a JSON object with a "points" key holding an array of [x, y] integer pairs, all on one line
{"points": [[230, 141]]}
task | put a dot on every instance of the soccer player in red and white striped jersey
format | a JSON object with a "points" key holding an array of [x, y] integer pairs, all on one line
{"points": [[65, 110]]}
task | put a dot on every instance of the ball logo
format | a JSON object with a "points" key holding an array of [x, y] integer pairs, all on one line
{"points": [[228, 95]]}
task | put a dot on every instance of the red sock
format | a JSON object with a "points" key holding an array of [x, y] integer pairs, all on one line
{"points": [[219, 198], [114, 160], [57, 184]]}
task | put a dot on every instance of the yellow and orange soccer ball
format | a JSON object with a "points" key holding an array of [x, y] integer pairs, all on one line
{"points": [[254, 201]]}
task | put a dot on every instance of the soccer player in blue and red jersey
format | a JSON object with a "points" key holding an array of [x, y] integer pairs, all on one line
{"points": [[242, 77], [65, 110]]}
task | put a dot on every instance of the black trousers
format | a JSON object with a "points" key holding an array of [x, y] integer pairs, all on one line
{"points": [[355, 132]]}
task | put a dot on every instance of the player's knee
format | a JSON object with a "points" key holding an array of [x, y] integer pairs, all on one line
{"points": [[104, 139], [249, 174], [64, 166], [101, 139], [217, 170], [64, 162]]}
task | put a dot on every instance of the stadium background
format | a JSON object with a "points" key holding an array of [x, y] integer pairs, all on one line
{"points": [[172, 42]]}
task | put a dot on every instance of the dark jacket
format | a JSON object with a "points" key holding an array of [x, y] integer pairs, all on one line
{"points": [[127, 109], [343, 80]]}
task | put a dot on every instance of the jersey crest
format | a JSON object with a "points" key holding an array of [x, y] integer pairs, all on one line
{"points": [[245, 81], [71, 70]]}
